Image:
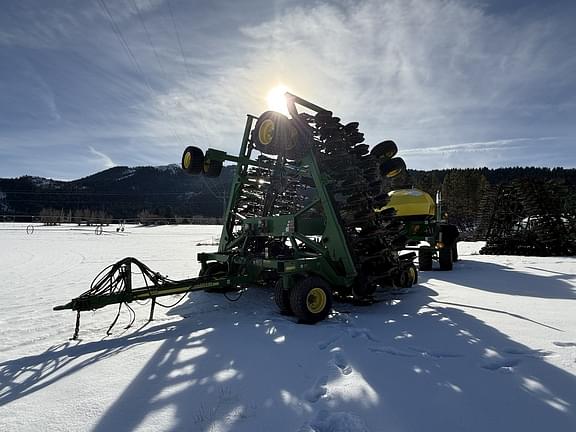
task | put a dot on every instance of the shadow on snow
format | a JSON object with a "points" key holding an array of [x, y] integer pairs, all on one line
{"points": [[407, 364]]}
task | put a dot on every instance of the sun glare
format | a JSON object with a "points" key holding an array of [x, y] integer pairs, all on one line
{"points": [[276, 100]]}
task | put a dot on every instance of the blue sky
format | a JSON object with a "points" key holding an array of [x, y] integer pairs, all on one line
{"points": [[456, 83]]}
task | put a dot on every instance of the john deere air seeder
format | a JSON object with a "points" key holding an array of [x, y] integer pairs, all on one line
{"points": [[300, 218]]}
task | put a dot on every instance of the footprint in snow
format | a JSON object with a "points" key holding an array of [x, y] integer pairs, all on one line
{"points": [[342, 364], [500, 364], [318, 390], [335, 422], [323, 345], [363, 333], [565, 344]]}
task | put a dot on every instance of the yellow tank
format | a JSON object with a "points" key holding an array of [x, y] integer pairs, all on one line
{"points": [[411, 202]]}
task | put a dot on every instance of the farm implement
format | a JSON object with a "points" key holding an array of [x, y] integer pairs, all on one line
{"points": [[422, 219], [300, 217]]}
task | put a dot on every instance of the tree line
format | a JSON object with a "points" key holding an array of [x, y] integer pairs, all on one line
{"points": [[467, 193]]}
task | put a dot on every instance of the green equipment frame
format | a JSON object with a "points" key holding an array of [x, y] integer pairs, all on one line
{"points": [[306, 252]]}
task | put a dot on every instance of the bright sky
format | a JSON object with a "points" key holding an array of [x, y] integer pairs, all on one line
{"points": [[456, 83]]}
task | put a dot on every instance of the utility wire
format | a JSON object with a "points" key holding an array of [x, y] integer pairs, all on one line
{"points": [[203, 120], [128, 50], [149, 37]]}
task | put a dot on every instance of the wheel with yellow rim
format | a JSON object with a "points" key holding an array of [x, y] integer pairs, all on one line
{"points": [[412, 274], [407, 277], [393, 167], [274, 134], [193, 160], [311, 299], [384, 150]]}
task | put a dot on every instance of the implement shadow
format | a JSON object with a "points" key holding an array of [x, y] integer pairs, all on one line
{"points": [[27, 375], [245, 368], [458, 373], [512, 281], [226, 374], [374, 365]]}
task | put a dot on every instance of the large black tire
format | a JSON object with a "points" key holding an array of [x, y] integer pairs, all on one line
{"points": [[384, 150], [425, 254], [282, 298], [274, 134], [192, 160], [311, 299], [393, 167], [212, 168], [445, 258], [455, 256]]}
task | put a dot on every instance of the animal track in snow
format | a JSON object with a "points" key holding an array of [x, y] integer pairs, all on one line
{"points": [[342, 364], [318, 390], [323, 345], [362, 333]]}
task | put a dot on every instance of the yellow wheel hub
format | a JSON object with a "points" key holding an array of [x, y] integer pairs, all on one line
{"points": [[412, 275], [316, 300], [187, 160], [266, 132]]}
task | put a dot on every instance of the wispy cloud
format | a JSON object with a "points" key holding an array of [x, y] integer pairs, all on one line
{"points": [[103, 159], [420, 72], [444, 79], [473, 147]]}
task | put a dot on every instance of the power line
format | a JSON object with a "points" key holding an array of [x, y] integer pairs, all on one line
{"points": [[127, 48], [203, 121], [178, 38], [149, 37]]}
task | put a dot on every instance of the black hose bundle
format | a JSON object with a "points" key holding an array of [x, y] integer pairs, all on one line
{"points": [[116, 280]]}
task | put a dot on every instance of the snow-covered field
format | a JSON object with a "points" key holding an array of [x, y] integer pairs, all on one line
{"points": [[490, 346]]}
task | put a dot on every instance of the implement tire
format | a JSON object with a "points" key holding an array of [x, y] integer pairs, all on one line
{"points": [[455, 252], [282, 298], [274, 134], [311, 299], [425, 254], [445, 258], [193, 160], [393, 167], [384, 150]]}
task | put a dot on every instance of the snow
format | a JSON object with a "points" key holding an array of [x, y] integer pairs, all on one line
{"points": [[42, 182], [126, 174], [488, 346], [172, 169]]}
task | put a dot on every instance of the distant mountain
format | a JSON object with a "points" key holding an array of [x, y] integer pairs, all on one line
{"points": [[167, 192], [122, 192]]}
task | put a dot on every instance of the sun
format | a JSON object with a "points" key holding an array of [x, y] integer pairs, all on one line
{"points": [[276, 100]]}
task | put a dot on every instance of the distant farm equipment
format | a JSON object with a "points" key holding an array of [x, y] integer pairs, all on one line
{"points": [[300, 217], [528, 217], [422, 218]]}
